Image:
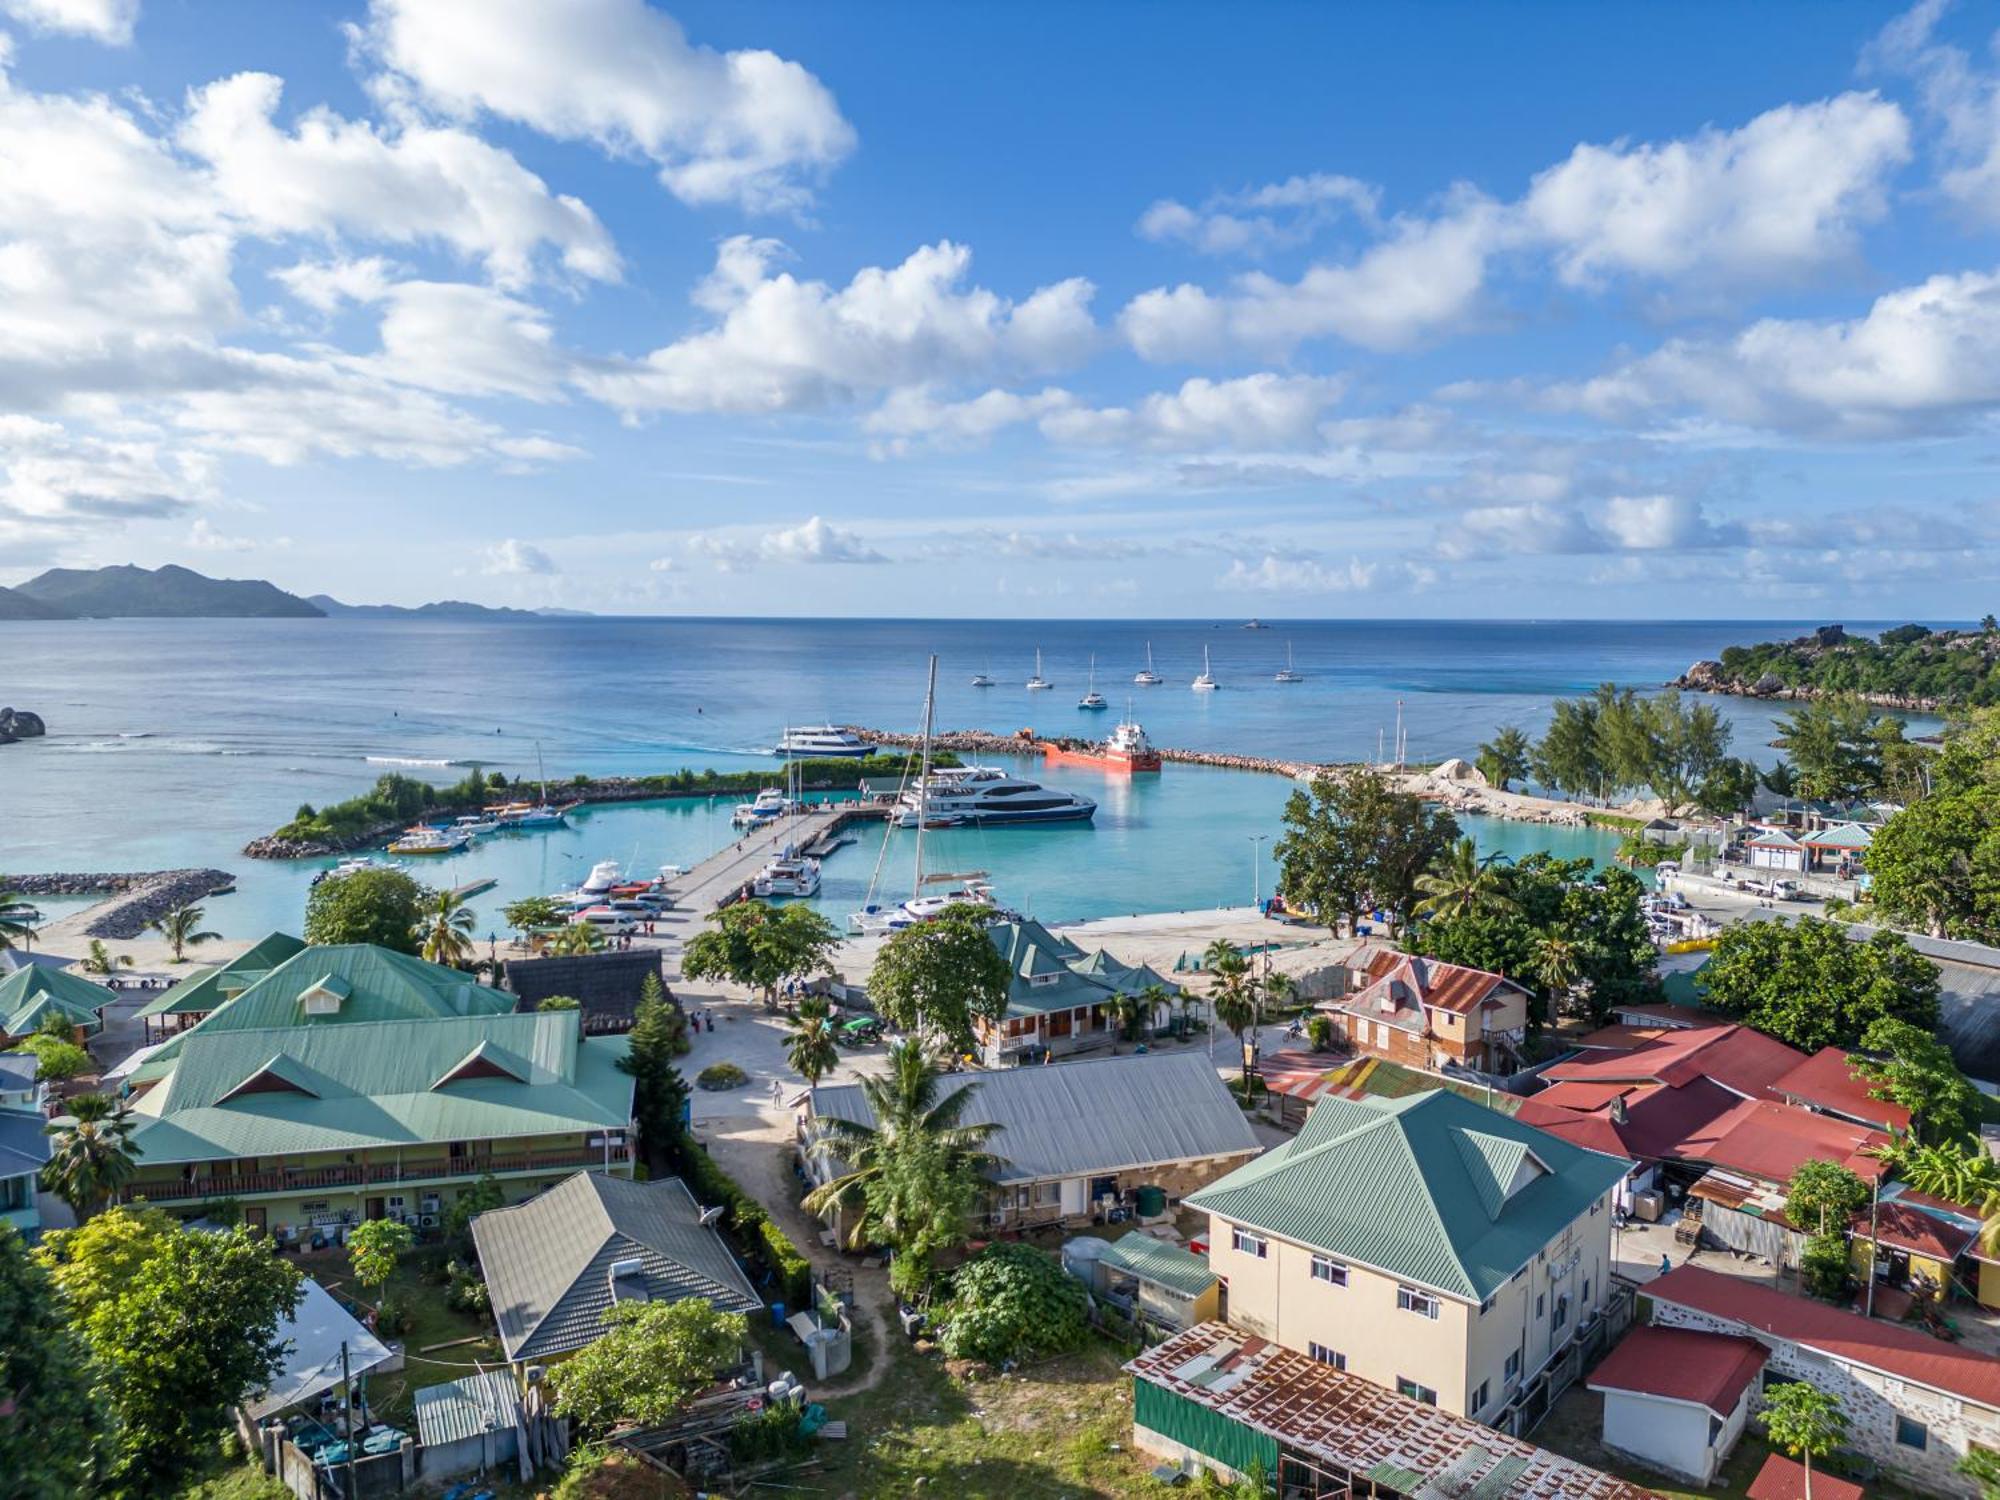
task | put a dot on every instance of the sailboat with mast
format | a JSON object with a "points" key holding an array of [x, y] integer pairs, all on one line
{"points": [[1092, 699], [1206, 682], [1287, 673], [536, 814], [1148, 677], [1038, 683]]}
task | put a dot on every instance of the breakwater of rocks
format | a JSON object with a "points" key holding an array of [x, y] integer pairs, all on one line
{"points": [[985, 742], [138, 897]]}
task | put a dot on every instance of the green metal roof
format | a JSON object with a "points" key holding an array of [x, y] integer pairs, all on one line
{"points": [[28, 995], [202, 991], [372, 984], [1167, 1265], [1432, 1188], [1842, 836], [1069, 978], [378, 1084]]}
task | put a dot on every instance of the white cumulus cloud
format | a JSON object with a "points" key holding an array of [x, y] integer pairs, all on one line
{"points": [[1264, 218], [102, 20], [516, 557]]}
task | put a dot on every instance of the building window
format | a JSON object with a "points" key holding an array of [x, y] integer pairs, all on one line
{"points": [[1411, 1299], [1479, 1397], [1325, 1356], [1329, 1270], [1248, 1243], [1561, 1315], [1408, 1387], [1541, 1303], [1513, 1371], [1487, 1306], [1912, 1434], [1586, 1290]]}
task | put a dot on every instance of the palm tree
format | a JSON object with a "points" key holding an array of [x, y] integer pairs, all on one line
{"points": [[99, 959], [1122, 1010], [92, 1157], [15, 928], [811, 1049], [447, 931], [576, 938], [913, 1118], [1221, 956], [1557, 965], [181, 927], [1156, 997], [1461, 884]]}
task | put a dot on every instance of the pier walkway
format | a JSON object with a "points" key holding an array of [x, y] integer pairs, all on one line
{"points": [[718, 879]]}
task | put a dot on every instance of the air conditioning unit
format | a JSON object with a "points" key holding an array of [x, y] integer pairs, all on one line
{"points": [[429, 1203], [428, 1221], [412, 1220]]}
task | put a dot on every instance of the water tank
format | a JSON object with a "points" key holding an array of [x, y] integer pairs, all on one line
{"points": [[1152, 1201]]}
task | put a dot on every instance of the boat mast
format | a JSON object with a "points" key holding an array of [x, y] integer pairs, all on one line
{"points": [[541, 773], [924, 774]]}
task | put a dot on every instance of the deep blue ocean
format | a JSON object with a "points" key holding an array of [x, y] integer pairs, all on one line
{"points": [[174, 742]]}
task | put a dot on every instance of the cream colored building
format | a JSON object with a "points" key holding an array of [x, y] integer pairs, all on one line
{"points": [[1428, 1244]]}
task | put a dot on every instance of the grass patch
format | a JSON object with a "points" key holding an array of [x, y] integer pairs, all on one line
{"points": [[234, 1481]]}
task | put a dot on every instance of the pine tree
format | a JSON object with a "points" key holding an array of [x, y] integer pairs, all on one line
{"points": [[659, 1093]]}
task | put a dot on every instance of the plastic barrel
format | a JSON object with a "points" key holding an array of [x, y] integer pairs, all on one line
{"points": [[1152, 1201]]}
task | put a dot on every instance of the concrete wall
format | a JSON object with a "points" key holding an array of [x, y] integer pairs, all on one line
{"points": [[1872, 1402], [1671, 1436]]}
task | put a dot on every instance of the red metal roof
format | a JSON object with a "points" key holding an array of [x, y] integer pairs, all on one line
{"points": [[1428, 981], [1826, 1080], [1682, 1364], [1903, 1226], [1782, 1479], [1659, 1121], [1901, 1352], [1302, 1075], [1356, 1424], [1772, 1141], [1625, 1036], [1744, 1061]]}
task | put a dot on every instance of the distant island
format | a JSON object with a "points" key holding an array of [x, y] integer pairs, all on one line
{"points": [[1911, 667], [126, 592]]}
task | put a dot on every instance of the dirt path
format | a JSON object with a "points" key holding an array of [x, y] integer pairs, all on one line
{"points": [[757, 1152]]}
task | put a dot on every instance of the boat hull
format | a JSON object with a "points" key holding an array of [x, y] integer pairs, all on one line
{"points": [[996, 818], [1101, 759]]}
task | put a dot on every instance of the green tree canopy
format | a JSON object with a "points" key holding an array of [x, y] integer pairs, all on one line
{"points": [[659, 1093], [446, 929], [1822, 1196], [1503, 760], [49, 1440], [1909, 1065], [1807, 983], [373, 1248], [809, 1043], [1354, 844], [534, 911], [1936, 864], [383, 907], [1013, 1302], [1833, 748], [941, 976], [755, 944], [180, 1327], [182, 929], [1805, 1421], [57, 1059], [655, 1356], [92, 1157], [1559, 927]]}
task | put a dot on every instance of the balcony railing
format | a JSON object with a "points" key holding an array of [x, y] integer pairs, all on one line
{"points": [[313, 1179]]}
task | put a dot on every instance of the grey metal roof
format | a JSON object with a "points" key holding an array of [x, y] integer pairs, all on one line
{"points": [[548, 1261], [17, 1071], [24, 1142], [467, 1407], [12, 959], [312, 1339], [1968, 997], [1076, 1119]]}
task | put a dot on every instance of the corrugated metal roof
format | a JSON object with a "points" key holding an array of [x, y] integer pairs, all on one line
{"points": [[548, 1261], [1069, 977], [467, 1407], [27, 995], [373, 1085], [1682, 1364], [1076, 1119], [1155, 1260], [1358, 1426], [374, 984], [1412, 1187], [201, 991], [312, 1339], [24, 1142]]}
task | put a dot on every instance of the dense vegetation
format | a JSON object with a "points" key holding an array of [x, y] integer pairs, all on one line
{"points": [[397, 799], [1908, 665], [1614, 742], [1808, 984], [1936, 864], [1353, 844]]}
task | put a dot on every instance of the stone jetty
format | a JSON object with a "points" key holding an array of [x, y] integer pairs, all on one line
{"points": [[1024, 741], [137, 898]]}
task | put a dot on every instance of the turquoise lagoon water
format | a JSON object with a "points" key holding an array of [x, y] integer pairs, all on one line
{"points": [[175, 742]]}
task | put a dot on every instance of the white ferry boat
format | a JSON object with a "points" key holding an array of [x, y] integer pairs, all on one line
{"points": [[822, 742], [985, 797], [788, 874], [771, 804]]}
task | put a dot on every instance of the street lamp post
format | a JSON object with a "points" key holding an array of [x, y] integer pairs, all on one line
{"points": [[1257, 868]]}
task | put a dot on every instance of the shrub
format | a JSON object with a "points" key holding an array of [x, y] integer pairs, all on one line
{"points": [[1010, 1303], [392, 1318], [722, 1075], [467, 1293], [793, 1270], [772, 1433], [1319, 1031]]}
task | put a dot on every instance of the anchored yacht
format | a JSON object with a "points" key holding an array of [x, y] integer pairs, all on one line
{"points": [[822, 742], [788, 874], [1038, 683], [1287, 673], [985, 797], [1092, 699], [1206, 682], [1148, 677]]}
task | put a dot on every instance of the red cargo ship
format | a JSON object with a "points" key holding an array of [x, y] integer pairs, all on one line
{"points": [[1128, 750]]}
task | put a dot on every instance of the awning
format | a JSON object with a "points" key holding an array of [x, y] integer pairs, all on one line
{"points": [[312, 1340]]}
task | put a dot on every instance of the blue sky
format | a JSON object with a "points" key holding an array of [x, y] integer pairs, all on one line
{"points": [[1107, 310]]}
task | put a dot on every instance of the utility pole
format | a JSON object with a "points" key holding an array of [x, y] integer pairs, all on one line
{"points": [[1257, 868], [347, 1394]]}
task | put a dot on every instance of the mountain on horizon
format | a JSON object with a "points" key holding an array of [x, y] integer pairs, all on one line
{"points": [[129, 592], [15, 605], [443, 609]]}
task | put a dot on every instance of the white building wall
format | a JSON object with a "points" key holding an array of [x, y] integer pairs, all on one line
{"points": [[1669, 1435], [1872, 1402]]}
